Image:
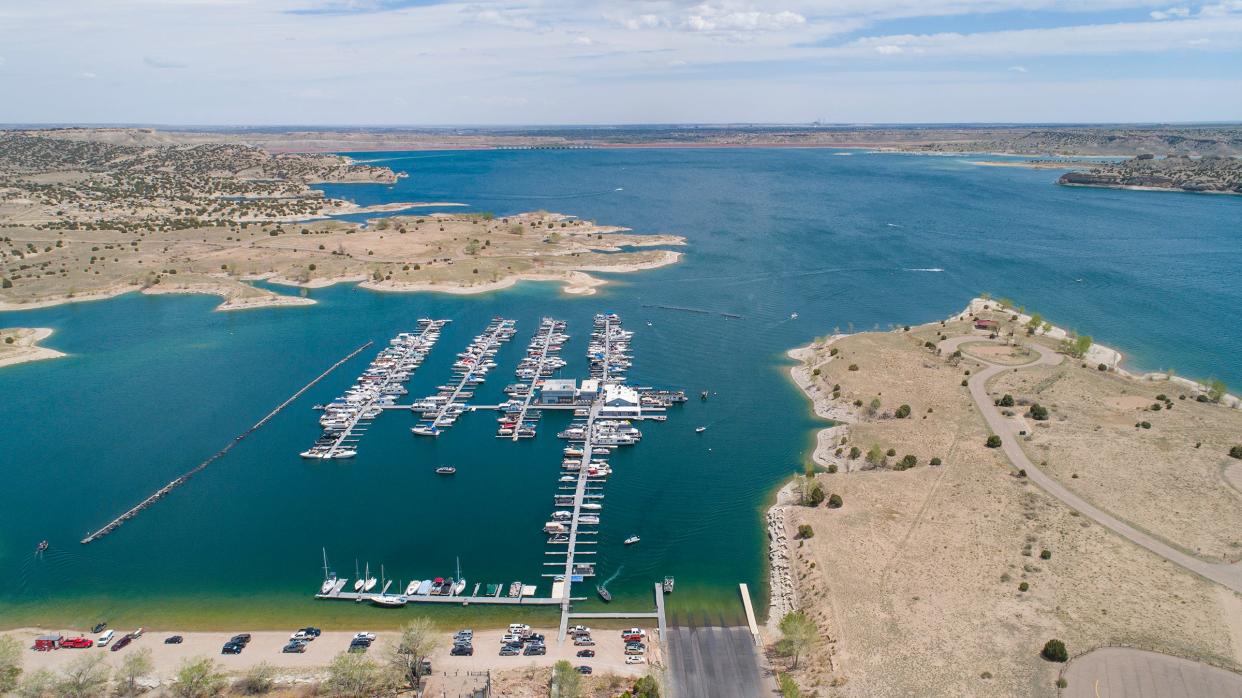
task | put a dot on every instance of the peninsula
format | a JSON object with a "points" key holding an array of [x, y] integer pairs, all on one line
{"points": [[21, 344], [992, 483], [1215, 175], [85, 219]]}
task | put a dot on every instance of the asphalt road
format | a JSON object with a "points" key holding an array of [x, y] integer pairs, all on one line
{"points": [[1116, 672], [716, 662]]}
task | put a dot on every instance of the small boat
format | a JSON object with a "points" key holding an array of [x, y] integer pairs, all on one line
{"points": [[603, 593], [370, 584], [446, 470], [412, 588], [793, 316], [41, 546], [700, 430], [703, 396], [99, 628], [424, 588], [632, 540], [389, 601], [668, 585]]}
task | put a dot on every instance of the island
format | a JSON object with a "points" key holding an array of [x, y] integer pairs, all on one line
{"points": [[1208, 174], [997, 494], [82, 219]]}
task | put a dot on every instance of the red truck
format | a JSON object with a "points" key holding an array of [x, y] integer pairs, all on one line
{"points": [[77, 642]]}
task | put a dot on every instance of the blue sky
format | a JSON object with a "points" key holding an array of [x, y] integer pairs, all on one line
{"points": [[424, 62]]}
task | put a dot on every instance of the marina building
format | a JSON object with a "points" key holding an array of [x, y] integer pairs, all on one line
{"points": [[558, 391], [620, 401]]}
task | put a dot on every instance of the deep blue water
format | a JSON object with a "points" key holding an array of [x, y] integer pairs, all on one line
{"points": [[155, 384]]}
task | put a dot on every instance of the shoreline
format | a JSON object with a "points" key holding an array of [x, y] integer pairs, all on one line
{"points": [[27, 346], [1135, 187]]}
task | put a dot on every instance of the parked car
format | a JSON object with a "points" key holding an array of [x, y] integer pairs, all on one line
{"points": [[535, 650], [518, 628], [173, 640], [76, 642], [369, 637], [634, 659], [579, 629], [301, 636], [509, 651], [636, 646], [634, 631], [295, 647], [635, 651], [586, 653], [462, 651], [122, 642], [511, 638], [311, 632], [359, 645], [584, 669], [533, 637], [242, 639], [584, 641], [106, 637], [464, 635], [232, 648]]}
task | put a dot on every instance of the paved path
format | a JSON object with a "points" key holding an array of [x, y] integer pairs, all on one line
{"points": [[1119, 672], [1229, 576], [714, 662]]}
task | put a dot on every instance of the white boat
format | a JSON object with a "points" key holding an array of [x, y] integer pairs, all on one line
{"points": [[358, 584], [371, 582], [591, 506], [700, 430], [412, 588], [632, 540], [389, 601], [329, 577], [344, 453], [459, 587]]}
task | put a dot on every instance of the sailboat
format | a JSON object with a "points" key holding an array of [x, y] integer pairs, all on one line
{"points": [[358, 580], [386, 600], [370, 583], [329, 577], [460, 586]]}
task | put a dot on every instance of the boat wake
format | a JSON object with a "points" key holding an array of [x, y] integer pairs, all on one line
{"points": [[616, 574], [930, 269]]}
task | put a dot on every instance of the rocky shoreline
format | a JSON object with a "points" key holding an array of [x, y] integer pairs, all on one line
{"points": [[783, 596]]}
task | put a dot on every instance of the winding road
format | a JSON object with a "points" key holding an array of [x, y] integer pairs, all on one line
{"points": [[1229, 576]]}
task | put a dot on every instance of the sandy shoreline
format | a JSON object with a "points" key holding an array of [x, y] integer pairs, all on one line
{"points": [[26, 346]]}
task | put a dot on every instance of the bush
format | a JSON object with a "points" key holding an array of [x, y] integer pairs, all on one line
{"points": [[816, 497], [853, 367], [1155, 407], [891, 452], [963, 382], [855, 452], [1235, 452], [1054, 651], [832, 468], [832, 351], [902, 412], [908, 462], [1102, 367], [1045, 554], [1061, 682], [805, 531], [834, 501], [934, 461], [1006, 401], [6, 283], [1145, 425], [993, 441], [815, 372], [258, 680], [1023, 586], [1039, 413], [312, 267]]}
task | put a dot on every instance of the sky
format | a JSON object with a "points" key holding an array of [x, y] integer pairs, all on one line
{"points": [[523, 62]]}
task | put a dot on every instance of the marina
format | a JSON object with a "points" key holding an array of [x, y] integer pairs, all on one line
{"points": [[541, 362], [381, 385], [441, 410]]}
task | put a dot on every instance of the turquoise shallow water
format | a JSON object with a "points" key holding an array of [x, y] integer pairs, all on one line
{"points": [[155, 384]]}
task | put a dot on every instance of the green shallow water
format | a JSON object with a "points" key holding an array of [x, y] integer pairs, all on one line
{"points": [[153, 385]]}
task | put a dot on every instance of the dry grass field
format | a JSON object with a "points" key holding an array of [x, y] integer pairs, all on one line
{"points": [[916, 581]]}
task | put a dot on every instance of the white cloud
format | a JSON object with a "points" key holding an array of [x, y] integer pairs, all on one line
{"points": [[1017, 69], [504, 18], [711, 18], [1221, 9], [1171, 13], [583, 41], [889, 50], [88, 75]]}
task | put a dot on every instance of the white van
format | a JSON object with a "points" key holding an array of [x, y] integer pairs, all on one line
{"points": [[518, 628], [105, 638]]}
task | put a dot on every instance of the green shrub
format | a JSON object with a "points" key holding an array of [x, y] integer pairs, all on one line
{"points": [[1061, 682], [805, 530], [964, 382], [1039, 413], [834, 501], [815, 372], [1054, 651], [832, 351], [856, 452], [934, 461], [1155, 407], [902, 412], [1006, 401], [993, 441], [853, 367], [5, 283], [816, 497], [1045, 554], [1235, 452], [832, 468], [908, 462], [1023, 586], [891, 452]]}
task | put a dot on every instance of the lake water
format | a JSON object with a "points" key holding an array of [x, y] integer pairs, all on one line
{"points": [[156, 384]]}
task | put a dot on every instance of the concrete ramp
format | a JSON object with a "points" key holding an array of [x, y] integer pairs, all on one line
{"points": [[716, 662]]}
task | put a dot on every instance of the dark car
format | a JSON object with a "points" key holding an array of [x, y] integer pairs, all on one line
{"points": [[173, 640], [509, 651], [533, 639], [312, 631], [242, 639], [584, 670], [535, 650], [294, 647], [122, 642], [359, 646], [586, 653], [462, 651], [232, 648]]}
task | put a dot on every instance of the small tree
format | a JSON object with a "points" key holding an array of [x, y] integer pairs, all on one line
{"points": [[135, 666], [902, 412], [1216, 390], [1039, 413], [1054, 651], [993, 441], [855, 452], [1235, 452], [198, 678], [789, 689], [805, 531], [566, 681], [834, 501], [85, 677], [10, 663], [417, 642], [1006, 401], [817, 495], [646, 687], [798, 632]]}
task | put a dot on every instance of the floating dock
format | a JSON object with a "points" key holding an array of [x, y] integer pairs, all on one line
{"points": [[161, 492]]}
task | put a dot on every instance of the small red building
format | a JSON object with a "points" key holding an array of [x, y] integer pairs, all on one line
{"points": [[44, 643], [990, 325]]}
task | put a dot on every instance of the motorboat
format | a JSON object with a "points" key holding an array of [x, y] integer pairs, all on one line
{"points": [[700, 430], [632, 540], [412, 588], [446, 470], [603, 593], [389, 601], [668, 585]]}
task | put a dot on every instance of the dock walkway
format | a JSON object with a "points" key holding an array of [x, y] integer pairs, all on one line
{"points": [[161, 492]]}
